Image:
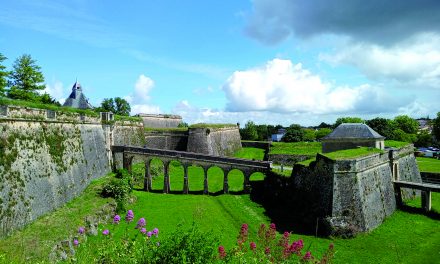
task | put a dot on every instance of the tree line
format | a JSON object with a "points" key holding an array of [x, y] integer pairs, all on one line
{"points": [[401, 128], [25, 81]]}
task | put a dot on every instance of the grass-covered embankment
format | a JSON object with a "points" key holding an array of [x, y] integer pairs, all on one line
{"points": [[296, 148], [428, 164], [405, 237]]}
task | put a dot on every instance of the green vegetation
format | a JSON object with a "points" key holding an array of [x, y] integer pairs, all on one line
{"points": [[127, 118], [118, 106], [428, 164], [296, 148], [205, 125], [88, 112], [307, 161], [222, 216], [250, 153], [395, 144], [166, 129], [35, 241], [352, 153]]}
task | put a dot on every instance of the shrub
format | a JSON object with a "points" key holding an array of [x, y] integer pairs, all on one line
{"points": [[187, 246], [119, 188]]}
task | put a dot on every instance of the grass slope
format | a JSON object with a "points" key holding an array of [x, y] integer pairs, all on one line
{"points": [[296, 148], [250, 153], [405, 237], [428, 164]]}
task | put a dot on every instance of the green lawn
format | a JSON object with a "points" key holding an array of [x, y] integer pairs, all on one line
{"points": [[395, 144], [428, 164], [405, 237], [296, 148], [250, 153], [352, 153]]}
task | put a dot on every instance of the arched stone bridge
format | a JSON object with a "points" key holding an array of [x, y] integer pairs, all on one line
{"points": [[247, 167]]}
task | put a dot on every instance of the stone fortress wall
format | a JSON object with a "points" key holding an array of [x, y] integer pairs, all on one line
{"points": [[355, 195], [214, 141], [160, 121], [47, 158]]}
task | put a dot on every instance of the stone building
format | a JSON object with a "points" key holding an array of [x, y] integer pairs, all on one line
{"points": [[352, 135], [77, 99]]}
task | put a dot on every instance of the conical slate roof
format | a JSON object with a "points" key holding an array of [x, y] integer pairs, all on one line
{"points": [[77, 99], [353, 130]]}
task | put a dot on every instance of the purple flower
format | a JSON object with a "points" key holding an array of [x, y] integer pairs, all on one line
{"points": [[155, 231], [129, 216], [143, 230], [221, 252], [273, 226], [105, 232], [116, 219], [141, 223], [81, 230], [75, 242], [149, 234]]}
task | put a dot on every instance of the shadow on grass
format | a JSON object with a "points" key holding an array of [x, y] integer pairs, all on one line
{"points": [[418, 210]]}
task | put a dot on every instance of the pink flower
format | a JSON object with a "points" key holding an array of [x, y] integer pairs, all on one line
{"points": [[273, 226], [221, 252], [105, 232], [81, 230], [267, 250], [307, 256], [143, 230], [149, 234], [253, 246], [75, 242], [286, 234]]}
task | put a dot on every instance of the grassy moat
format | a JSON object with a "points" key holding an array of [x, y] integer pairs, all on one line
{"points": [[406, 237]]}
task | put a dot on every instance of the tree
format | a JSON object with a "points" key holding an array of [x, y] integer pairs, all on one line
{"points": [[122, 106], [322, 133], [107, 105], [424, 139], [309, 135], [436, 127], [47, 99], [249, 132], [382, 126], [407, 124], [3, 76], [347, 119], [324, 125], [294, 133], [26, 79]]}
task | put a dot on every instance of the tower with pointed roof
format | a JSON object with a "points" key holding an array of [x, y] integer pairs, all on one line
{"points": [[77, 99]]}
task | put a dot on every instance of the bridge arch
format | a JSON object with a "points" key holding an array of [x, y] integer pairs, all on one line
{"points": [[186, 159]]}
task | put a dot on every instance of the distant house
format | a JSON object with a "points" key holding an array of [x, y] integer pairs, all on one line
{"points": [[424, 124], [279, 135], [352, 135], [77, 99]]}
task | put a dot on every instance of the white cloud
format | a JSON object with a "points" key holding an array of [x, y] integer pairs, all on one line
{"points": [[139, 98], [56, 91], [282, 87], [415, 62]]}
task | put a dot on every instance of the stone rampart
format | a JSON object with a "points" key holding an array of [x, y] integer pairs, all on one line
{"points": [[170, 140], [161, 121], [45, 164], [361, 190], [214, 141], [49, 157]]}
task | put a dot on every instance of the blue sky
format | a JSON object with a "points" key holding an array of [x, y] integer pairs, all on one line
{"points": [[277, 62]]}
